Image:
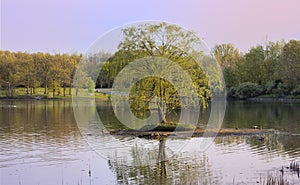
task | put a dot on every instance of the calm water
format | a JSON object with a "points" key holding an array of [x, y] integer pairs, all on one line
{"points": [[40, 143]]}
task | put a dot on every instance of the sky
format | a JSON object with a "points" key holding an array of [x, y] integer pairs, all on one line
{"points": [[73, 25]]}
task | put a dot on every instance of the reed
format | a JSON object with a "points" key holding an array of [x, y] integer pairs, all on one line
{"points": [[275, 180], [294, 166]]}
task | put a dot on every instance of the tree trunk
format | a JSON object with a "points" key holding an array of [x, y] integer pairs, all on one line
{"points": [[27, 87], [162, 150], [58, 91], [33, 87], [64, 89], [76, 91], [162, 158], [70, 88], [46, 84], [8, 90], [162, 115], [160, 105], [109, 82]]}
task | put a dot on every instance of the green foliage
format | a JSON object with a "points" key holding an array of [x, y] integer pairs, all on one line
{"points": [[91, 86], [83, 81], [172, 127], [165, 41], [88, 72], [246, 90], [296, 91], [36, 70], [290, 63], [169, 127], [274, 65], [252, 65], [269, 87], [277, 89], [281, 89], [226, 55], [231, 77], [261, 64], [9, 72], [114, 65]]}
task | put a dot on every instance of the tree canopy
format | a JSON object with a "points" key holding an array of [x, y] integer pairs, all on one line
{"points": [[21, 69], [272, 67], [159, 49]]}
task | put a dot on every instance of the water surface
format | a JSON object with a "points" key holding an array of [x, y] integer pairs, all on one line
{"points": [[40, 143]]}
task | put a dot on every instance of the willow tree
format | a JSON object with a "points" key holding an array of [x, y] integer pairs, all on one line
{"points": [[162, 42]]}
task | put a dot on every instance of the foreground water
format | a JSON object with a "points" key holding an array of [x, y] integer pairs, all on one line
{"points": [[40, 143]]}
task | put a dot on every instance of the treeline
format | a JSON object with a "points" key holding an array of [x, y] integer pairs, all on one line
{"points": [[21, 69], [271, 70]]}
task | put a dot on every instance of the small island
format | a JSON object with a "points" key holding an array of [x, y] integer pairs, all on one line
{"points": [[197, 132]]}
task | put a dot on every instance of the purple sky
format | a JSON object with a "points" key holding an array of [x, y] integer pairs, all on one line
{"points": [[72, 25]]}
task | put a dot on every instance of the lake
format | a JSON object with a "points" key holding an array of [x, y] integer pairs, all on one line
{"points": [[41, 143]]}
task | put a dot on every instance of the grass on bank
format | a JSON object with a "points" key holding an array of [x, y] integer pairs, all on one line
{"points": [[21, 93]]}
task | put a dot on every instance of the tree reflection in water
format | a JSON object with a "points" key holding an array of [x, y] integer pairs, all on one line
{"points": [[178, 170]]}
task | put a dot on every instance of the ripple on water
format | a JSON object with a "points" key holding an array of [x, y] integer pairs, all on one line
{"points": [[54, 150]]}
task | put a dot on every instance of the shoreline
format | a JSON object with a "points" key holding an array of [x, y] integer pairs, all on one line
{"points": [[25, 97], [198, 132], [270, 99], [255, 99]]}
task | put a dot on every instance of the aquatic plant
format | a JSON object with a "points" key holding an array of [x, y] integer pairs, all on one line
{"points": [[275, 180], [294, 166]]}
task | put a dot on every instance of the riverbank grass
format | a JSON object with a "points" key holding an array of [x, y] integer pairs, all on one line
{"points": [[21, 93]]}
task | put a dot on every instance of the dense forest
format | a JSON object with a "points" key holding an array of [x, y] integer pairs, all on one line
{"points": [[271, 70]]}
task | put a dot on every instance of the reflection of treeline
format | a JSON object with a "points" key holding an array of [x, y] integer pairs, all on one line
{"points": [[270, 69]]}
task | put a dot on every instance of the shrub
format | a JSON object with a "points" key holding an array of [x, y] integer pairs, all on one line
{"points": [[169, 127], [246, 90], [269, 87], [281, 90], [296, 91], [91, 86]]}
